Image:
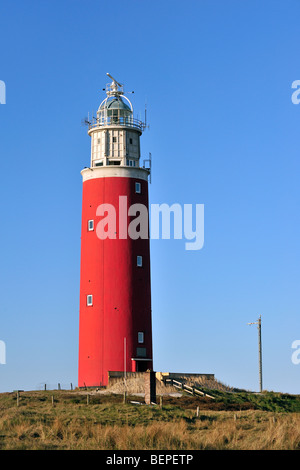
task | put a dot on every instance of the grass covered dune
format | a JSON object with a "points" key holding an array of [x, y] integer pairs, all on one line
{"points": [[68, 420]]}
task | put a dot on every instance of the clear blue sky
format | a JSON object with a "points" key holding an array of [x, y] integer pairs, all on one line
{"points": [[224, 132]]}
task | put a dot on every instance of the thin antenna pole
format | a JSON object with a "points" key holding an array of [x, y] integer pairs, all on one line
{"points": [[125, 361], [258, 323], [260, 354]]}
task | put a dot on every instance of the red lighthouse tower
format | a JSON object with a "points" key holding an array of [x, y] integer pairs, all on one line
{"points": [[115, 331]]}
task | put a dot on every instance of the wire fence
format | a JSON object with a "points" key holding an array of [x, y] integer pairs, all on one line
{"points": [[57, 386]]}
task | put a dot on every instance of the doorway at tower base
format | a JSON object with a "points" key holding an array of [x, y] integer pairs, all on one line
{"points": [[141, 365]]}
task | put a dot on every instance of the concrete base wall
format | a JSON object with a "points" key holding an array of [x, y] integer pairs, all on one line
{"points": [[115, 376], [181, 376], [150, 387], [118, 376]]}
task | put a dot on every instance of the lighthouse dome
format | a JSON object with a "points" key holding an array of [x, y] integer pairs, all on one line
{"points": [[114, 110], [114, 102]]}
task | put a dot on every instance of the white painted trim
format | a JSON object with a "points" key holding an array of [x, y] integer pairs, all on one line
{"points": [[110, 171], [140, 359], [115, 127]]}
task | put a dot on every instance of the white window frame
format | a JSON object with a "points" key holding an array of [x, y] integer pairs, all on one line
{"points": [[89, 300], [139, 261], [141, 337], [138, 187], [90, 225]]}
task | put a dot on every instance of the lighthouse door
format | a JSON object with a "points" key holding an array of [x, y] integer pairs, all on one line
{"points": [[141, 366]]}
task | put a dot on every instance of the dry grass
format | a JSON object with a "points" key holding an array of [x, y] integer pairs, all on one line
{"points": [[221, 432], [203, 382], [109, 424]]}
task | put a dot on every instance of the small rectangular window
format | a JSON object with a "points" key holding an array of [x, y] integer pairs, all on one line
{"points": [[89, 300], [130, 141], [90, 225], [140, 337], [114, 139], [141, 352], [139, 261], [138, 188]]}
